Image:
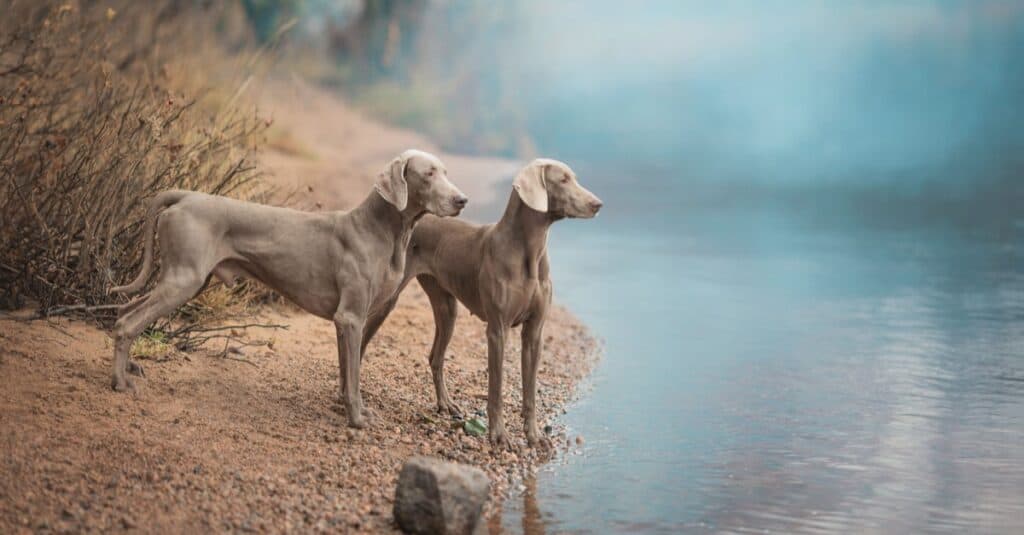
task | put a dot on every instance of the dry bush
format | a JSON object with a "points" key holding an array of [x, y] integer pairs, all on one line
{"points": [[93, 123]]}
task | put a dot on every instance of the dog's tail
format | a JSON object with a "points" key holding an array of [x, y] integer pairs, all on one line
{"points": [[161, 201]]}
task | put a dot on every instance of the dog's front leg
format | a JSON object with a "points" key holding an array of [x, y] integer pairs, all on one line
{"points": [[342, 362], [349, 327], [532, 336], [496, 331]]}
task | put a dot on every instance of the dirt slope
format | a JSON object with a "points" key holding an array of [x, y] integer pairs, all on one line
{"points": [[318, 142]]}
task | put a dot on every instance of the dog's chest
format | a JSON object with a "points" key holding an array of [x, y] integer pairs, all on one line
{"points": [[520, 297], [388, 284]]}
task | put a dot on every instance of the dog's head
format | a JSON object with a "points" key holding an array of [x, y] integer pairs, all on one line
{"points": [[551, 186], [419, 179]]}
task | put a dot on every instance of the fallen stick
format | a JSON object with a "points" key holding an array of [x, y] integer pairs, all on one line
{"points": [[73, 308]]}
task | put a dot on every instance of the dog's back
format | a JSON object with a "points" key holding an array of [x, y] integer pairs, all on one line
{"points": [[450, 251]]}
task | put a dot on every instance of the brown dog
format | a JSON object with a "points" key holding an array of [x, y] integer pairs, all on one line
{"points": [[340, 266], [500, 273]]}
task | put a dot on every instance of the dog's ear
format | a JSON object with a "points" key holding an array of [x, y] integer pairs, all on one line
{"points": [[391, 184], [531, 187]]}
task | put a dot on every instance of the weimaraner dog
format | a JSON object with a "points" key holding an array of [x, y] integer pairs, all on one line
{"points": [[341, 266], [500, 273]]}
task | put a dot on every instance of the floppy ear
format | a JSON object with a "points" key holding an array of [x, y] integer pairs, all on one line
{"points": [[530, 186], [391, 184]]}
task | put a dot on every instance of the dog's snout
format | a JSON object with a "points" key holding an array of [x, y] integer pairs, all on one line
{"points": [[596, 205], [460, 201]]}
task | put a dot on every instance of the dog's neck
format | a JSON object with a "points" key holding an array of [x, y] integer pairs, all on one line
{"points": [[391, 225], [526, 228]]}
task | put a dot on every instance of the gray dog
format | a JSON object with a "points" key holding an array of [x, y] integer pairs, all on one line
{"points": [[340, 266], [500, 273]]}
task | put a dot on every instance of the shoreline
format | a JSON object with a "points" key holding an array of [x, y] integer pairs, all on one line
{"points": [[256, 440]]}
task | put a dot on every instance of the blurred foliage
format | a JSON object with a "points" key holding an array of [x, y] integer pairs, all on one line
{"points": [[414, 63], [266, 16], [417, 66]]}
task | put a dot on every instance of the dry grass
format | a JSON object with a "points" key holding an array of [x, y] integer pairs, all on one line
{"points": [[96, 116], [285, 141]]}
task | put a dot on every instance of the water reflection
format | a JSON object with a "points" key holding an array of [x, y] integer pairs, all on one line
{"points": [[531, 517]]}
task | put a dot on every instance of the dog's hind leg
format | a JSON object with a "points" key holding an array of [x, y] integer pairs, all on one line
{"points": [[132, 305], [172, 291], [133, 367], [375, 320], [446, 310]]}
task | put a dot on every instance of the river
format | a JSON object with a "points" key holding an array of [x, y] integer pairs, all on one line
{"points": [[767, 374]]}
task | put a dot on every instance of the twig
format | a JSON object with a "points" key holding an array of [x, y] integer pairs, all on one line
{"points": [[194, 328], [249, 362], [61, 330], [229, 338], [73, 308]]}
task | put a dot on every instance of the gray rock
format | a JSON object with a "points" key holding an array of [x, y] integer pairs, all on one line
{"points": [[435, 496]]}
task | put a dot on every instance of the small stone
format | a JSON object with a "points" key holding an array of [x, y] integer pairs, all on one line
{"points": [[579, 440]]}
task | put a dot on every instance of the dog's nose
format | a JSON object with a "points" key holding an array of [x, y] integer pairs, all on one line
{"points": [[596, 205], [460, 201]]}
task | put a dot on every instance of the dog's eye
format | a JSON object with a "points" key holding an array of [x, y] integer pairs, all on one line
{"points": [[566, 179]]}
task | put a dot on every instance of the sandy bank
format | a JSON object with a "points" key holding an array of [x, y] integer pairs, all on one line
{"points": [[257, 441]]}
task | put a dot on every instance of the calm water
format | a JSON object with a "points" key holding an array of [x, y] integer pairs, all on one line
{"points": [[764, 372]]}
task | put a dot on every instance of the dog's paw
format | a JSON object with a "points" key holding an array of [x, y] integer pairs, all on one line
{"points": [[538, 441], [135, 369], [124, 385], [451, 409], [358, 422], [360, 419], [498, 438]]}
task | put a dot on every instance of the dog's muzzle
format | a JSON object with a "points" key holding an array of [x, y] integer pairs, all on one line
{"points": [[458, 203]]}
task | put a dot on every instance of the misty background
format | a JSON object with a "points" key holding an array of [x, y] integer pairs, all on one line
{"points": [[904, 111]]}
